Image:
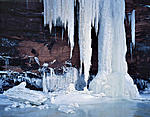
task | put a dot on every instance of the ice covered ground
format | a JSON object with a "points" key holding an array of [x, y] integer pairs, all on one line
{"points": [[69, 103], [101, 108]]}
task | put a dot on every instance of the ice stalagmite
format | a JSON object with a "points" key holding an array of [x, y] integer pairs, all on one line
{"points": [[133, 27], [63, 10], [112, 78]]}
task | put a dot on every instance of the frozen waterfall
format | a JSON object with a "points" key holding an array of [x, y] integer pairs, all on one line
{"points": [[112, 78], [107, 16], [63, 9]]}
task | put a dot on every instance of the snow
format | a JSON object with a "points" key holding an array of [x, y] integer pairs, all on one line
{"points": [[76, 97], [23, 94], [45, 65], [68, 108], [133, 27]]}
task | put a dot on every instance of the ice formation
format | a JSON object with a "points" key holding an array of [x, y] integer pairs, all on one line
{"points": [[107, 16], [131, 50], [52, 82], [129, 18], [63, 10], [112, 78], [23, 94], [37, 60], [133, 27]]}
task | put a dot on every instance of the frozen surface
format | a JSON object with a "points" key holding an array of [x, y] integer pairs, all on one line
{"points": [[108, 108], [21, 93], [4, 100]]}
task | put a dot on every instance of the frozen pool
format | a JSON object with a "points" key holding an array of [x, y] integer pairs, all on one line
{"points": [[110, 108]]}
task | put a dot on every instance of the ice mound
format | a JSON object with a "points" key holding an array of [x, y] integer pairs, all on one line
{"points": [[20, 93], [114, 85]]}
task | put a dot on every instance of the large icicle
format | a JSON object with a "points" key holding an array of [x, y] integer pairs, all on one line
{"points": [[63, 9], [133, 27], [85, 14], [88, 17], [112, 78]]}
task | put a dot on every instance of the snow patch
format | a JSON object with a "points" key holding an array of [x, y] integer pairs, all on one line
{"points": [[68, 108]]}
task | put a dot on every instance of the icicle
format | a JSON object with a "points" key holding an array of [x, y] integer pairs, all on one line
{"points": [[45, 90], [131, 50], [129, 18], [62, 34], [37, 60], [74, 2], [27, 3], [63, 9], [133, 27], [45, 12], [85, 23]]}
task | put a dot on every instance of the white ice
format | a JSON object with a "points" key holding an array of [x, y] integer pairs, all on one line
{"points": [[20, 93], [52, 82], [133, 27], [63, 9], [112, 78]]}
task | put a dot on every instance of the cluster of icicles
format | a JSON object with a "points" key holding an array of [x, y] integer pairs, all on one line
{"points": [[107, 16]]}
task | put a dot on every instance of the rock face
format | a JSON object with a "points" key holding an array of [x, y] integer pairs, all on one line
{"points": [[24, 37], [139, 64]]}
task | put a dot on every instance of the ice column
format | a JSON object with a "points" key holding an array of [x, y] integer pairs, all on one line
{"points": [[85, 36], [112, 78], [88, 17]]}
